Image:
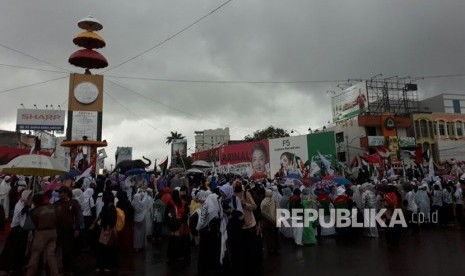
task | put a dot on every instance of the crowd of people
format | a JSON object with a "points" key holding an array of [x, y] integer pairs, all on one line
{"points": [[231, 219]]}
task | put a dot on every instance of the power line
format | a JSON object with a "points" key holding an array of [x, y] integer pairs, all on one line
{"points": [[170, 37], [28, 55], [31, 68], [32, 84], [135, 114], [224, 82], [171, 107]]}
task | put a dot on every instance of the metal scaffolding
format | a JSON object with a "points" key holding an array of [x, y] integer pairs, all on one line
{"points": [[398, 97]]}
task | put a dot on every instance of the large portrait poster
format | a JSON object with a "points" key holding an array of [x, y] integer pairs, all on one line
{"points": [[251, 159], [288, 156]]}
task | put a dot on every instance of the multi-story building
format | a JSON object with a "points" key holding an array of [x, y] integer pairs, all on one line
{"points": [[211, 138], [446, 124]]}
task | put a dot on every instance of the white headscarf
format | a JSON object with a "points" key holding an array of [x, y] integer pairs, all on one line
{"points": [[140, 203], [5, 187], [19, 219], [77, 195]]}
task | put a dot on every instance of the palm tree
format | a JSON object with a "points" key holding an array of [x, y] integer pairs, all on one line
{"points": [[174, 136]]}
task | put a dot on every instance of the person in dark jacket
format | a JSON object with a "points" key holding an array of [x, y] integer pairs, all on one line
{"points": [[106, 259]]}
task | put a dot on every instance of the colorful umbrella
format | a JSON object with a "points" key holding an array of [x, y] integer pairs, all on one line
{"points": [[342, 181], [201, 164], [258, 175], [325, 184], [291, 182], [134, 172]]}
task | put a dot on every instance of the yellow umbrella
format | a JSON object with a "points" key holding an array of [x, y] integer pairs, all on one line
{"points": [[34, 165]]}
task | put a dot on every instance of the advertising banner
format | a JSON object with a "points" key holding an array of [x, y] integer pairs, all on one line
{"points": [[123, 153], [250, 158], [350, 103], [178, 149], [288, 156], [84, 124], [324, 143], [40, 119], [376, 141], [407, 142]]}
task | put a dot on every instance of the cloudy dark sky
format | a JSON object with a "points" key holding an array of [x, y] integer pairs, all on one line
{"points": [[245, 41]]}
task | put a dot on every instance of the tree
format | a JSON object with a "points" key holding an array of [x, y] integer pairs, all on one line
{"points": [[269, 133], [174, 136]]}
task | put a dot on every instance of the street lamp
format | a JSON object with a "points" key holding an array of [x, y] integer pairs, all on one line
{"points": [[310, 130]]}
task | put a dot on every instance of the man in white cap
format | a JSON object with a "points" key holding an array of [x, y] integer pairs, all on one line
{"points": [[5, 188]]}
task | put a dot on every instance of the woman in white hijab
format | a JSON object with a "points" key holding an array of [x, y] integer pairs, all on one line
{"points": [[141, 204], [5, 188], [12, 257], [209, 233], [369, 201]]}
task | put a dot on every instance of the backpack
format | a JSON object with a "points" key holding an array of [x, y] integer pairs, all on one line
{"points": [[235, 223], [120, 217]]}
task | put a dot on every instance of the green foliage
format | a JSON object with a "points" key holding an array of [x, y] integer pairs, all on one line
{"points": [[174, 136], [269, 133]]}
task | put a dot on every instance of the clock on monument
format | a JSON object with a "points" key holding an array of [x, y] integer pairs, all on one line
{"points": [[86, 92]]}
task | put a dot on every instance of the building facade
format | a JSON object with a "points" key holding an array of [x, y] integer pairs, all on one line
{"points": [[211, 138]]}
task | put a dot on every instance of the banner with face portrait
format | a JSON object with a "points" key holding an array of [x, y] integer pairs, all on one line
{"points": [[289, 156], [250, 159]]}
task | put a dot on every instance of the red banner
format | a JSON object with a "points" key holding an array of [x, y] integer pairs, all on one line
{"points": [[7, 154], [246, 158]]}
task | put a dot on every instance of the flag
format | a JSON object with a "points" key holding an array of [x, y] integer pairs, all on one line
{"points": [[355, 162], [79, 157], [314, 168], [299, 162], [85, 173], [431, 169], [32, 149], [426, 155], [326, 163], [163, 166], [383, 152], [418, 156]]}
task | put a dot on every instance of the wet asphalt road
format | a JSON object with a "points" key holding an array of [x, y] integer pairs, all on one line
{"points": [[438, 251]]}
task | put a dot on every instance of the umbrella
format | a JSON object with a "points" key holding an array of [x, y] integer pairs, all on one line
{"points": [[136, 171], [291, 182], [201, 164], [194, 170], [325, 184], [34, 165], [342, 181], [258, 175]]}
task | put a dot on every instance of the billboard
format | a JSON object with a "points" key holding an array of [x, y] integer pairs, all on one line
{"points": [[250, 158], [350, 103], [178, 149], [123, 153], [288, 155], [40, 119], [84, 123], [324, 143]]}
